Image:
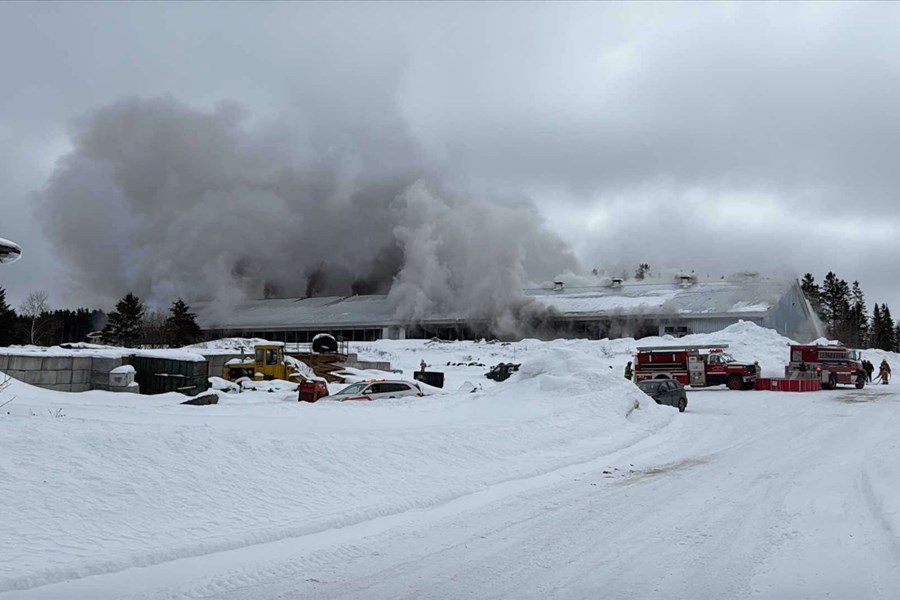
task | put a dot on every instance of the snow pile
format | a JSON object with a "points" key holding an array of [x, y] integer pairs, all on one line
{"points": [[85, 350], [300, 367], [114, 484], [98, 351], [116, 481], [223, 385], [746, 342], [229, 346]]}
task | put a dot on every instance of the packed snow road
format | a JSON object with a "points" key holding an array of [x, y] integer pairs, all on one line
{"points": [[750, 494]]}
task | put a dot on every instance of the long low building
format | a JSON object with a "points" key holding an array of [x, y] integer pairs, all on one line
{"points": [[618, 309]]}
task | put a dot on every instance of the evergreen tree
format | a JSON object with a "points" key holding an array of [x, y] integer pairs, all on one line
{"points": [[883, 329], [811, 291], [125, 323], [182, 324], [875, 327], [7, 321], [642, 271], [889, 342], [859, 321], [67, 325], [835, 297]]}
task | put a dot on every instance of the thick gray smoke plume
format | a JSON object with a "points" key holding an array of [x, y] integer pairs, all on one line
{"points": [[165, 200]]}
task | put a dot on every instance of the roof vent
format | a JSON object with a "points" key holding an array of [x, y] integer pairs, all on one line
{"points": [[616, 282], [558, 286]]}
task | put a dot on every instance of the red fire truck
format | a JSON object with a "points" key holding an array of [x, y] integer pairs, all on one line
{"points": [[690, 366], [832, 364]]}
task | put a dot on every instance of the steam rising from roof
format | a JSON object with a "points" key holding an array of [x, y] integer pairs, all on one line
{"points": [[167, 200]]}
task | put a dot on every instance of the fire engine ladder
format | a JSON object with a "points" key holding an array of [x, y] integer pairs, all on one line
{"points": [[677, 348]]}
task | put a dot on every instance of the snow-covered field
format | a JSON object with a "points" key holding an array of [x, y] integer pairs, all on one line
{"points": [[564, 481]]}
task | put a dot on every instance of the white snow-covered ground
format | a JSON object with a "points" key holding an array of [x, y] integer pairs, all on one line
{"points": [[562, 482]]}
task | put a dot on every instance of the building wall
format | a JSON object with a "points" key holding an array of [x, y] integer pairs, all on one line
{"points": [[703, 325], [303, 333], [791, 316]]}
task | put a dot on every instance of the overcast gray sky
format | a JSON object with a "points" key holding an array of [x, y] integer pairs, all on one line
{"points": [[714, 137]]}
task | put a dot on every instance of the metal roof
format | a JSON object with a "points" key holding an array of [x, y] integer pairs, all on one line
{"points": [[289, 313], [703, 299], [751, 297]]}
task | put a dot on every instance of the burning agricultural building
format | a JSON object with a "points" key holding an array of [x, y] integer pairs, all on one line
{"points": [[620, 308]]}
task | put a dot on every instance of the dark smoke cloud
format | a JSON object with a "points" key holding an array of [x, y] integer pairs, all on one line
{"points": [[167, 200]]}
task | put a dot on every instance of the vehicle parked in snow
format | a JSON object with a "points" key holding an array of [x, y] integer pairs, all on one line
{"points": [[378, 390], [665, 391], [502, 371], [689, 366], [832, 365]]}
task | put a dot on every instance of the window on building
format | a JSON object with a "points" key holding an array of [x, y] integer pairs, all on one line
{"points": [[676, 330]]}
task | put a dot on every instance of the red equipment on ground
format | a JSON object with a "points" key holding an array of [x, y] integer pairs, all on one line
{"points": [[832, 365], [788, 385], [312, 389], [690, 366]]}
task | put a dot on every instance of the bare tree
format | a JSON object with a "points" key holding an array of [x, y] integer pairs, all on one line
{"points": [[155, 330], [34, 306]]}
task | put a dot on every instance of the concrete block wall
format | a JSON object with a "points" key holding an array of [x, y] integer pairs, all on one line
{"points": [[61, 373], [100, 368]]}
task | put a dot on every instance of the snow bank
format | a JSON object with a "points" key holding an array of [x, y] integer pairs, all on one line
{"points": [[228, 346], [98, 351], [98, 482], [86, 350], [116, 483], [746, 341], [300, 367]]}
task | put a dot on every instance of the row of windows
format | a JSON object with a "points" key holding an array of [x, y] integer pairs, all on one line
{"points": [[590, 329], [300, 337]]}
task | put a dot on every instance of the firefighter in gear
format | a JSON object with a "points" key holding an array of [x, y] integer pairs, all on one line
{"points": [[629, 372], [869, 368], [757, 368], [884, 371]]}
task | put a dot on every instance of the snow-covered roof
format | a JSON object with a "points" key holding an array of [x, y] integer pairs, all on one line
{"points": [[747, 298], [751, 297], [329, 311]]}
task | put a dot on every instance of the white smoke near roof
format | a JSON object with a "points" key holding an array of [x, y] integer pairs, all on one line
{"points": [[470, 259], [166, 200]]}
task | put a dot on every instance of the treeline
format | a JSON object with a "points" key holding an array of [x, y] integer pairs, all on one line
{"points": [[842, 309], [129, 325]]}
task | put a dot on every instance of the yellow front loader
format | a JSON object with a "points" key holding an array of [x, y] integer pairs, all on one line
{"points": [[267, 362]]}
